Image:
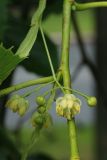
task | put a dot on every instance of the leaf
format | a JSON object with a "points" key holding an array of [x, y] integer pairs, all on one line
{"points": [[28, 42], [8, 62]]}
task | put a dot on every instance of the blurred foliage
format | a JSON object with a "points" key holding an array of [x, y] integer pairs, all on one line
{"points": [[3, 16], [54, 142], [19, 15], [8, 148]]}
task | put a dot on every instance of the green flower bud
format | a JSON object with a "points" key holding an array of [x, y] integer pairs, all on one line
{"points": [[12, 103], [40, 100], [22, 106], [17, 104], [41, 109], [22, 111], [37, 119], [92, 101]]}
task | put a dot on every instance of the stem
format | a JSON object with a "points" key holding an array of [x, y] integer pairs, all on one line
{"points": [[48, 54], [52, 96], [73, 140], [49, 58], [25, 84], [37, 89], [66, 74], [66, 43], [78, 92], [47, 92], [84, 6]]}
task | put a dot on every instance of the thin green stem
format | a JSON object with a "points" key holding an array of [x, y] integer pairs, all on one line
{"points": [[48, 54], [52, 96], [36, 89], [49, 58], [47, 92], [78, 92], [66, 74], [84, 6], [25, 84]]}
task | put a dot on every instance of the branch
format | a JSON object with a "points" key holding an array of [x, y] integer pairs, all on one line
{"points": [[90, 5], [25, 84], [66, 75]]}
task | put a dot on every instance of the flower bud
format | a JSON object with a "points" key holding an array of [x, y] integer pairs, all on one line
{"points": [[41, 109], [37, 119], [12, 103], [40, 100], [22, 106], [21, 111], [92, 101], [17, 104]]}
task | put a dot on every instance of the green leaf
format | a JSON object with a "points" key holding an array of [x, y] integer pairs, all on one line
{"points": [[28, 42], [8, 62]]}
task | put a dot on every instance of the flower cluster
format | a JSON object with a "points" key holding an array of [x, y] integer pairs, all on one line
{"points": [[18, 104], [41, 118], [68, 106]]}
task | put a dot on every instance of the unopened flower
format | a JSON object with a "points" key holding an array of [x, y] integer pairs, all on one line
{"points": [[40, 100], [22, 106], [68, 106], [41, 109], [37, 119], [92, 101], [18, 104], [12, 103]]}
